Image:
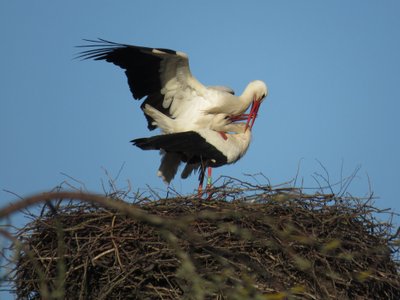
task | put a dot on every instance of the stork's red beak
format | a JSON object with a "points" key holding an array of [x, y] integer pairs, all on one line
{"points": [[253, 113], [250, 117]]}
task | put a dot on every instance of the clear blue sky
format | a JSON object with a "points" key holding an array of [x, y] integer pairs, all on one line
{"points": [[332, 67]]}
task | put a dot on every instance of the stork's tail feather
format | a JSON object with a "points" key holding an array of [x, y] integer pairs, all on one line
{"points": [[169, 166], [189, 169], [170, 161]]}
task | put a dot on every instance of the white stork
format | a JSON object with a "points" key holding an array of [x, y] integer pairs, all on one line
{"points": [[232, 143], [175, 101], [201, 148]]}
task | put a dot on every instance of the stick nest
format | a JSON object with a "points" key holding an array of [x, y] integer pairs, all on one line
{"points": [[244, 242]]}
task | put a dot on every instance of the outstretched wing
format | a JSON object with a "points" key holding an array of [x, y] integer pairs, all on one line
{"points": [[155, 73]]}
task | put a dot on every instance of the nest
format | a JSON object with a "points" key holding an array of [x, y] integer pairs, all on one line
{"points": [[247, 243]]}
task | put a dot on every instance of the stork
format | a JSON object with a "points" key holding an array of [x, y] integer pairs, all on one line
{"points": [[172, 158], [201, 148], [163, 78]]}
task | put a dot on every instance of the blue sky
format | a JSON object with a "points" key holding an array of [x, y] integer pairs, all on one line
{"points": [[332, 67]]}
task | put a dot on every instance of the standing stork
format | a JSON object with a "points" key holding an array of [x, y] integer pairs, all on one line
{"points": [[201, 148], [232, 143], [163, 78]]}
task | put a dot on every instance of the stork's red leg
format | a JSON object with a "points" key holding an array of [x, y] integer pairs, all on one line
{"points": [[209, 180]]}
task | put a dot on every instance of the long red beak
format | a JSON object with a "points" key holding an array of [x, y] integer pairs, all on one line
{"points": [[250, 117], [242, 117], [253, 114]]}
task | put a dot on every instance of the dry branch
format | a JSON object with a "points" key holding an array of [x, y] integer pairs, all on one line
{"points": [[264, 243]]}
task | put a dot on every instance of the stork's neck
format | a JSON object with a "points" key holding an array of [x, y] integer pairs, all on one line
{"points": [[246, 98]]}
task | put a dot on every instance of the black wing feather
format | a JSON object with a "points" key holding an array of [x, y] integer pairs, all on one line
{"points": [[190, 144], [140, 64], [142, 69]]}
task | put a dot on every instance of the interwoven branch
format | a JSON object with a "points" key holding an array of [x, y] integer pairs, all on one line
{"points": [[264, 243]]}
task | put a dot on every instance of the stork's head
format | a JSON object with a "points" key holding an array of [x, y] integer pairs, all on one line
{"points": [[254, 94], [260, 91]]}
